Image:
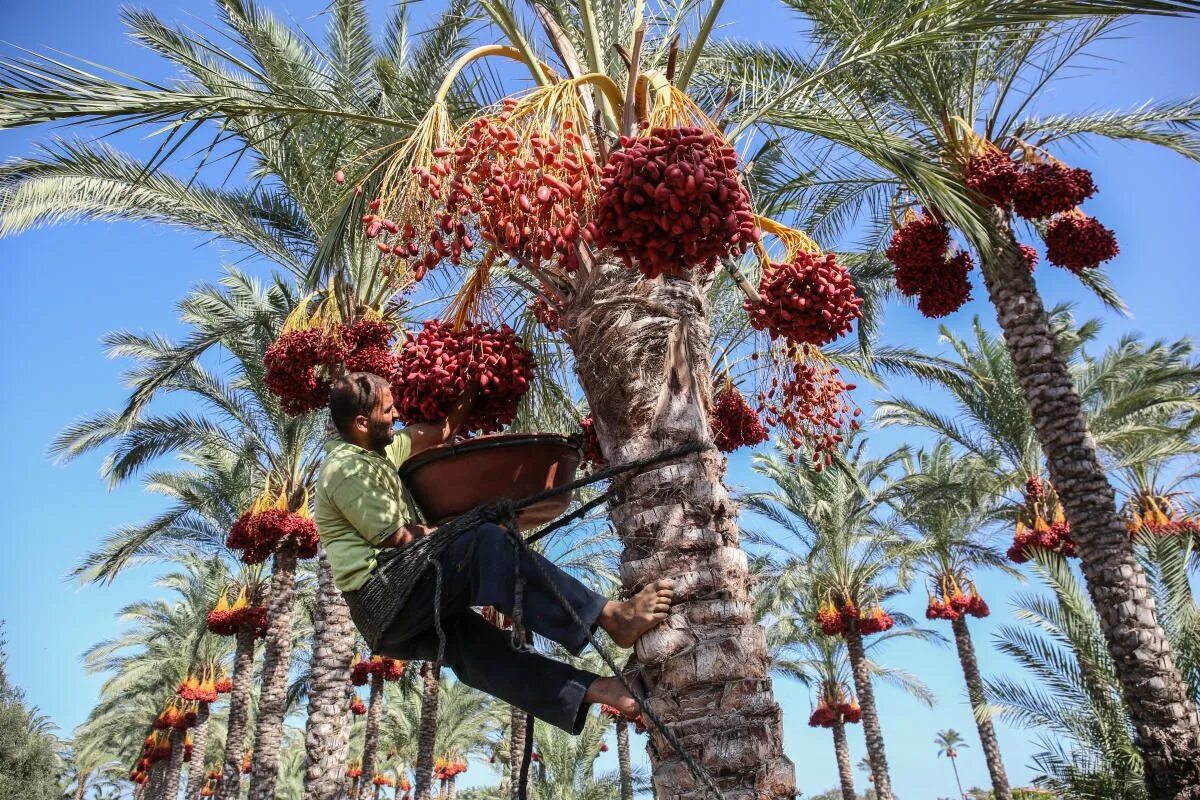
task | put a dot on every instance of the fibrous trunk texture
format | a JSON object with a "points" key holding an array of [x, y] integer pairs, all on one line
{"points": [[81, 782], [277, 660], [170, 785], [841, 751], [158, 776], [327, 731], [239, 714], [623, 761], [451, 793], [516, 751], [1166, 721], [195, 772], [427, 736], [642, 352], [870, 714], [371, 734], [987, 733]]}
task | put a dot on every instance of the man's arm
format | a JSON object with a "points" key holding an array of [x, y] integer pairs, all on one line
{"points": [[425, 435], [406, 534]]}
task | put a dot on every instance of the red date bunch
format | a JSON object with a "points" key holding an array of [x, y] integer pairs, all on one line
{"points": [[260, 535], [1160, 515], [1043, 189], [672, 200], [545, 313], [823, 716], [1029, 254], [438, 364], [1040, 523], [734, 423], [812, 404], [808, 300], [948, 288], [1078, 242], [876, 620], [918, 248], [358, 708], [224, 684], [368, 348], [955, 605], [201, 690], [993, 174], [291, 368], [592, 453]]}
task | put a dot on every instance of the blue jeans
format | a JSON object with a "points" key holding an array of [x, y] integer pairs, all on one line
{"points": [[478, 569]]}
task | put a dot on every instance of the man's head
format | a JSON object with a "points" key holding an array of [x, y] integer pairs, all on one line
{"points": [[361, 406]]}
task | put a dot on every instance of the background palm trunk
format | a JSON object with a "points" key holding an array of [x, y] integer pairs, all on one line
{"points": [[277, 660], [516, 750], [81, 782], [154, 785], [841, 751], [623, 761], [371, 734], [987, 733], [195, 772], [957, 780], [427, 737], [239, 714], [1166, 721], [327, 731], [451, 792], [170, 784], [870, 714], [642, 356]]}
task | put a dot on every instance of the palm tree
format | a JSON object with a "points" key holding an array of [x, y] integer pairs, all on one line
{"points": [[949, 742], [566, 769], [802, 652], [944, 500], [640, 349], [247, 427], [149, 661], [911, 120], [856, 563]]}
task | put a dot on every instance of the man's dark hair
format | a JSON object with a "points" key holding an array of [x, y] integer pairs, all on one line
{"points": [[352, 394]]}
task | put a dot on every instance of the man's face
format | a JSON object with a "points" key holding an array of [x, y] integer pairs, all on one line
{"points": [[381, 423]]}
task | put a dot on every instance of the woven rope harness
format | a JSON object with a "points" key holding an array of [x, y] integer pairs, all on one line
{"points": [[381, 598]]}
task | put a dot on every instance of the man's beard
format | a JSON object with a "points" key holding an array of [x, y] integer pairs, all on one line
{"points": [[381, 436]]}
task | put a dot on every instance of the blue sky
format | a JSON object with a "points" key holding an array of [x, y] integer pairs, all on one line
{"points": [[66, 287]]}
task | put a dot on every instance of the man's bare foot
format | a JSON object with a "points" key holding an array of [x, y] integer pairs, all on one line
{"points": [[627, 621], [609, 691]]}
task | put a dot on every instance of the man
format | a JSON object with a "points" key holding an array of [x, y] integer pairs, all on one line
{"points": [[362, 509]]}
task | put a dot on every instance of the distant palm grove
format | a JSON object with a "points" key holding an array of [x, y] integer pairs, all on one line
{"points": [[628, 227]]}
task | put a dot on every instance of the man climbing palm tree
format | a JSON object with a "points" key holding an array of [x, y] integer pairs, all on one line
{"points": [[365, 518]]}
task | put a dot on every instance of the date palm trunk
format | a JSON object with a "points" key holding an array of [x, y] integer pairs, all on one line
{"points": [[451, 792], [371, 734], [1166, 721], [327, 730], [277, 660], [158, 776], [242, 678], [957, 780], [516, 751], [987, 733], [841, 751], [174, 771], [81, 782], [642, 355], [431, 676], [624, 764], [876, 754], [195, 773]]}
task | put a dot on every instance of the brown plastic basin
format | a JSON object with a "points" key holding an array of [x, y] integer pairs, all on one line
{"points": [[452, 479]]}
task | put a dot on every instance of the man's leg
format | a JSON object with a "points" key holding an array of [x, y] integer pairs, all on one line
{"points": [[482, 657]]}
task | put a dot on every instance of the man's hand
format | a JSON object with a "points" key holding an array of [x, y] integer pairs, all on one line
{"points": [[406, 535]]}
